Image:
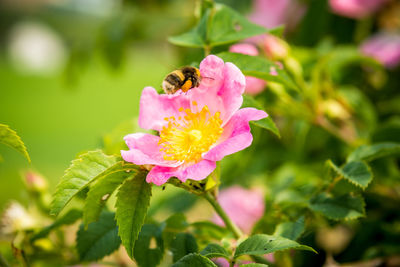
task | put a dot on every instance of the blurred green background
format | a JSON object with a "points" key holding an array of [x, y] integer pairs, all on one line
{"points": [[66, 111]]}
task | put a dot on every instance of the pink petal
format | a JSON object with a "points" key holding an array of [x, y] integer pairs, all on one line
{"points": [[154, 108], [243, 48], [384, 47], [199, 171], [144, 149], [221, 88], [355, 8], [236, 135], [254, 85], [244, 206]]}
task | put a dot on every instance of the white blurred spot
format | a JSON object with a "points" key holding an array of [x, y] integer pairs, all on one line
{"points": [[35, 48]]}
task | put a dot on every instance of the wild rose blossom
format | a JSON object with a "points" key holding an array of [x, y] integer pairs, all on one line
{"points": [[356, 9], [196, 128], [253, 85], [384, 47], [244, 206]]}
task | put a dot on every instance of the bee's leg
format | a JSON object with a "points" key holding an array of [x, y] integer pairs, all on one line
{"points": [[186, 86]]}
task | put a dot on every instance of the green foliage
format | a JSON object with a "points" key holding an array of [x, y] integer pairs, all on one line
{"points": [[183, 244], [343, 207], [215, 251], [173, 225], [149, 247], [261, 244], [209, 230], [219, 25], [194, 260], [259, 67], [291, 230], [133, 200], [10, 138], [375, 151], [266, 123], [103, 187], [68, 218], [83, 170], [99, 240], [356, 172]]}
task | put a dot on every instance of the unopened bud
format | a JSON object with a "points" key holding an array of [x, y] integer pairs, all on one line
{"points": [[275, 48], [35, 182]]}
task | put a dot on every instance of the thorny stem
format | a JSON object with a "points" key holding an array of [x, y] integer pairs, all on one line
{"points": [[228, 222]]}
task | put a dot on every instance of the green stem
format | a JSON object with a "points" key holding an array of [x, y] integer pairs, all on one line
{"points": [[228, 222]]}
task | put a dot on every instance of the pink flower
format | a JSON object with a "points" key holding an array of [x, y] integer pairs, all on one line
{"points": [[253, 84], [273, 13], [355, 8], [196, 128], [244, 206], [384, 47]]}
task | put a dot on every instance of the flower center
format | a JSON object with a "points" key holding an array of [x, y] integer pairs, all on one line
{"points": [[185, 138]]}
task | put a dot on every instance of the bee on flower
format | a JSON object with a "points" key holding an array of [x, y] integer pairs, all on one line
{"points": [[196, 128]]}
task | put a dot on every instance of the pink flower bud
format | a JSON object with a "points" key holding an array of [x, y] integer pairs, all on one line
{"points": [[356, 9], [384, 47], [253, 85], [274, 47], [35, 181], [244, 206]]}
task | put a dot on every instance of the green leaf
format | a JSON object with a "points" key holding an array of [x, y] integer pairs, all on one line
{"points": [[266, 123], [10, 138], [356, 172], [196, 37], [174, 224], [68, 218], [228, 26], [220, 25], [86, 168], [183, 244], [344, 207], [133, 200], [99, 240], [290, 230], [215, 251], [194, 260], [105, 185], [209, 229], [372, 152], [261, 244], [259, 67], [149, 247]]}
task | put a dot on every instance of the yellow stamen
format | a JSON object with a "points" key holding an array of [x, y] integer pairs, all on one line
{"points": [[190, 135]]}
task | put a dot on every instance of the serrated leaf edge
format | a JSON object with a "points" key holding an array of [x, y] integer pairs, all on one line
{"points": [[339, 171], [24, 151], [72, 165], [142, 222]]}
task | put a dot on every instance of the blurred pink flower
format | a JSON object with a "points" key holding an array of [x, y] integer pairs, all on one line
{"points": [[253, 84], [274, 47], [384, 47], [273, 13], [356, 9], [244, 206], [196, 128]]}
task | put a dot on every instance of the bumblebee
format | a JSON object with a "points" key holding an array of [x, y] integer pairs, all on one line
{"points": [[184, 78]]}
